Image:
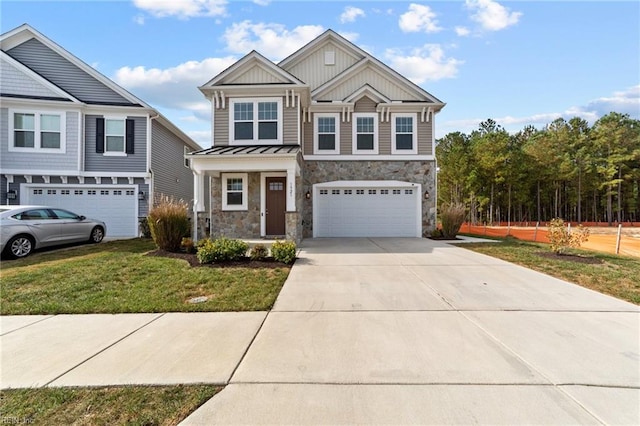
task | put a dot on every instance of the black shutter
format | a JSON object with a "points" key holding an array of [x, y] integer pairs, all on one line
{"points": [[130, 135], [100, 135]]}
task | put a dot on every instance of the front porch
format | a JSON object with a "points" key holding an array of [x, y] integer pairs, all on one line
{"points": [[254, 192]]}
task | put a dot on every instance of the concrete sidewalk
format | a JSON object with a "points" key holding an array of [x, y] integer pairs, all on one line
{"points": [[367, 331]]}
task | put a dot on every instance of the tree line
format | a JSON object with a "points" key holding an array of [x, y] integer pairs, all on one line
{"points": [[568, 169]]}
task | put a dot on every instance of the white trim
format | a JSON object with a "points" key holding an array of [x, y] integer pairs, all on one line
{"points": [[414, 141], [396, 157], [354, 133], [255, 101], [370, 184], [245, 192], [37, 130], [263, 198], [122, 153], [316, 143]]}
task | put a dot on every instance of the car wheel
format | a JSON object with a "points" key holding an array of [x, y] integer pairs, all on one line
{"points": [[97, 234], [20, 246]]}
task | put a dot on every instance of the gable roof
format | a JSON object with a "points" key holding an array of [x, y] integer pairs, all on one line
{"points": [[251, 61], [364, 60], [37, 52]]}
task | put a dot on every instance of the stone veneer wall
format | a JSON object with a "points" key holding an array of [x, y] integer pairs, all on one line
{"points": [[236, 224], [422, 172]]}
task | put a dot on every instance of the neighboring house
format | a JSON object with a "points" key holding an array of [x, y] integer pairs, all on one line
{"points": [[329, 142], [72, 138]]}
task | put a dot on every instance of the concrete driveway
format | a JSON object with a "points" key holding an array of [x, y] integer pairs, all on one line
{"points": [[413, 331]]}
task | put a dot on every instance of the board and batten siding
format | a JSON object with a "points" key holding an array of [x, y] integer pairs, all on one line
{"points": [[15, 82], [98, 162], [373, 78], [170, 176], [64, 161], [64, 74]]}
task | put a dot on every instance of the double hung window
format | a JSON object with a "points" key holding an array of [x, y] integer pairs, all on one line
{"points": [[255, 121], [234, 191], [404, 134], [326, 139], [365, 133], [33, 131]]}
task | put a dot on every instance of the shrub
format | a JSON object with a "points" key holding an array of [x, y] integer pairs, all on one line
{"points": [[169, 222], [187, 245], [452, 217], [284, 251], [561, 239], [221, 249], [259, 252]]}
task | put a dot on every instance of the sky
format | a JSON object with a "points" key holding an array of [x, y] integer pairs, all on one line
{"points": [[517, 62]]}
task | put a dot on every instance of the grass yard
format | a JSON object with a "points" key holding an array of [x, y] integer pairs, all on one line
{"points": [[118, 277], [132, 405], [609, 274]]}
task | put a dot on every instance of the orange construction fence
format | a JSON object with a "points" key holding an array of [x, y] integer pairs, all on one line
{"points": [[628, 245]]}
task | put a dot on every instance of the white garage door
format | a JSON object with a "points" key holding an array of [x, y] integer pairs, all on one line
{"points": [[116, 206], [374, 209]]}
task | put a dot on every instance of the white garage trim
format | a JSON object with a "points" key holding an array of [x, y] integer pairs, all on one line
{"points": [[410, 230], [122, 221]]}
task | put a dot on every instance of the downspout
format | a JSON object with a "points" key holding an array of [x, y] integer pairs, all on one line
{"points": [[151, 196]]}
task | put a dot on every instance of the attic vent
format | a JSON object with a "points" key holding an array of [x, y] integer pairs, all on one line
{"points": [[329, 57]]}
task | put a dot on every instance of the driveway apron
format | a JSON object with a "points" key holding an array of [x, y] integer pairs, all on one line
{"points": [[413, 331]]}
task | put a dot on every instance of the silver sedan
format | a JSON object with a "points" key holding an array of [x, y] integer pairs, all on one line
{"points": [[26, 228]]}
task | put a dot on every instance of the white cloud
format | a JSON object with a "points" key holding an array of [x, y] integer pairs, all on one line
{"points": [[624, 101], [350, 14], [492, 15], [419, 18], [175, 87], [271, 40], [182, 9], [139, 19], [262, 2], [427, 63], [462, 31]]}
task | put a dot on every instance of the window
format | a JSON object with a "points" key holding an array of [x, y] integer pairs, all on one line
{"points": [[115, 136], [63, 214], [234, 191], [33, 131], [324, 191], [404, 134], [335, 192], [326, 139], [255, 121], [365, 133]]}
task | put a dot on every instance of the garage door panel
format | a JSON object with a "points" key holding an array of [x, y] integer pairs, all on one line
{"points": [[367, 211], [117, 207]]}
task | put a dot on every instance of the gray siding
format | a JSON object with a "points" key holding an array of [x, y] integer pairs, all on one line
{"points": [[97, 162], [290, 129], [221, 127], [64, 74], [365, 104], [384, 138], [170, 176], [425, 131], [15, 82], [40, 161]]}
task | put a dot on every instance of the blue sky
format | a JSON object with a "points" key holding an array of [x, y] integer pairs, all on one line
{"points": [[516, 62]]}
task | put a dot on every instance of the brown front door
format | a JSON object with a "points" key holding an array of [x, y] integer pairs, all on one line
{"points": [[276, 201]]}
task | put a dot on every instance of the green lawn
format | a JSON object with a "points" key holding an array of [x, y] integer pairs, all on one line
{"points": [[132, 405], [117, 277], [615, 275]]}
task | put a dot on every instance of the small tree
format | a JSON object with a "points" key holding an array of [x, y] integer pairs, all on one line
{"points": [[169, 223], [452, 217], [561, 239]]}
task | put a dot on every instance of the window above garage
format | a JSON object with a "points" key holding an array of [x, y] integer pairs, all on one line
{"points": [[37, 131]]}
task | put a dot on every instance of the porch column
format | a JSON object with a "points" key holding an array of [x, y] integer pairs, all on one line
{"points": [[291, 190], [198, 191]]}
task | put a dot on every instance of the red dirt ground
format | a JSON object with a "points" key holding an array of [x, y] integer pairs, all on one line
{"points": [[601, 238]]}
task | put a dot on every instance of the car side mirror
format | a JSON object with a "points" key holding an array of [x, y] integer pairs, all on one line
{"points": [[82, 217]]}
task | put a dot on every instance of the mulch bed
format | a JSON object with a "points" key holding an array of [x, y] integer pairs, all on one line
{"points": [[245, 262], [571, 258]]}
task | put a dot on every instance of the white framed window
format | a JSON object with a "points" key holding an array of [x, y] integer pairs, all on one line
{"points": [[326, 137], [114, 135], [37, 131], [234, 191], [365, 133], [255, 121], [404, 134]]}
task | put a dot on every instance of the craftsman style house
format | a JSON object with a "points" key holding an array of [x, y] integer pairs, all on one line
{"points": [[329, 142], [72, 138]]}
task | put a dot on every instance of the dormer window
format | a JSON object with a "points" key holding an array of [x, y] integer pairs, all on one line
{"points": [[255, 121]]}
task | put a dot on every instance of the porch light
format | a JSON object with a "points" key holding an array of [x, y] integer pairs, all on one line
{"points": [[141, 195], [12, 194], [307, 195], [426, 195]]}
